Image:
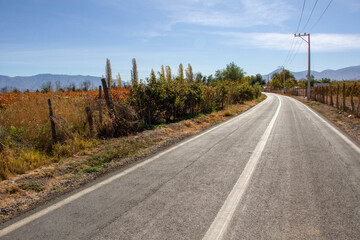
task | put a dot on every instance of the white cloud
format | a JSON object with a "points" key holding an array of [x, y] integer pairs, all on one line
{"points": [[227, 13], [325, 42]]}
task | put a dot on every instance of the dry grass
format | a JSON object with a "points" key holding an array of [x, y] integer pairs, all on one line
{"points": [[22, 192], [26, 134]]}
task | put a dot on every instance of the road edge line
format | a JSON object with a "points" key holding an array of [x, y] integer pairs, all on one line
{"points": [[340, 134], [26, 220]]}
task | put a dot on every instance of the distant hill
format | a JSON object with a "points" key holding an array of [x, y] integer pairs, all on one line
{"points": [[38, 81], [349, 73]]}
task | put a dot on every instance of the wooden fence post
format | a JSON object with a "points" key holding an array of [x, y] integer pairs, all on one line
{"points": [[358, 107], [109, 103], [100, 107], [337, 96], [331, 97], [89, 119], [352, 98], [344, 96], [326, 95], [51, 115]]}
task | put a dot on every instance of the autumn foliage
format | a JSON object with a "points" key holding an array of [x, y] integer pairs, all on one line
{"points": [[80, 118]]}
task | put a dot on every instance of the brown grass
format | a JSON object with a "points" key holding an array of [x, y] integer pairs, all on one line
{"points": [[25, 132], [21, 192]]}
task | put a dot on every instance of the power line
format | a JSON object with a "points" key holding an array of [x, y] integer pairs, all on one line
{"points": [[302, 12], [312, 11], [291, 50], [296, 52], [321, 15]]}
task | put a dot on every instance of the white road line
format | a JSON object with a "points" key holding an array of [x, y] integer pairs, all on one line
{"points": [[341, 135], [222, 220], [71, 198]]}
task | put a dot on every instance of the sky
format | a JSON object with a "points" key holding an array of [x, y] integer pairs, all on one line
{"points": [[76, 36]]}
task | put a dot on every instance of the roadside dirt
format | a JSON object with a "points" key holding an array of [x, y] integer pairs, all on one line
{"points": [[346, 121], [24, 192]]}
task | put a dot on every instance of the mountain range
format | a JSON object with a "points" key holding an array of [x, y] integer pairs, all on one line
{"points": [[39, 81], [349, 73]]}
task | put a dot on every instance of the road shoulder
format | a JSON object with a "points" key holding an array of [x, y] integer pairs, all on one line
{"points": [[349, 123]]}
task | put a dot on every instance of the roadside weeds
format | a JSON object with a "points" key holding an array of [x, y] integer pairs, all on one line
{"points": [[24, 192]]}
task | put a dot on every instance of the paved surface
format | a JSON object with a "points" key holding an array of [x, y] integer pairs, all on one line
{"points": [[277, 171]]}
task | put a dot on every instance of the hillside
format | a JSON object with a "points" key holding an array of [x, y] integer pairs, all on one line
{"points": [[38, 81], [349, 73]]}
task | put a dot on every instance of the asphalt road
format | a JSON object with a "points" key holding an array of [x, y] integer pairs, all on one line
{"points": [[278, 171]]}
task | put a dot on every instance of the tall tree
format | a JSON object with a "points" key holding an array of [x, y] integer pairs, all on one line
{"points": [[108, 73], [162, 74], [283, 76], [181, 72], [118, 80], [257, 79], [232, 72], [134, 74], [189, 73], [168, 73]]}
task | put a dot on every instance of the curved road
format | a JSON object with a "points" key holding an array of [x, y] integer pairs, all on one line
{"points": [[277, 171]]}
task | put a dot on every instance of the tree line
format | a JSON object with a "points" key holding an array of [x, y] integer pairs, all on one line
{"points": [[164, 97], [277, 80]]}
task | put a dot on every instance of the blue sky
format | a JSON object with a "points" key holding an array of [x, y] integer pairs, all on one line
{"points": [[76, 36]]}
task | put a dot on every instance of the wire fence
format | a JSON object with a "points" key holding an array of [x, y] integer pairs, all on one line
{"points": [[343, 96]]}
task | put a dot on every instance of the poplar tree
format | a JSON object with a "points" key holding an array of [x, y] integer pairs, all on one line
{"points": [[108, 73], [134, 74], [189, 73], [162, 73], [118, 80], [168, 73], [181, 72]]}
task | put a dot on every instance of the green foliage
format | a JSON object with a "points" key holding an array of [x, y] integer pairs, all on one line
{"points": [[277, 80], [181, 72], [257, 79], [189, 74], [232, 72], [164, 99], [90, 169], [289, 83], [31, 186], [119, 81], [276, 83], [325, 80]]}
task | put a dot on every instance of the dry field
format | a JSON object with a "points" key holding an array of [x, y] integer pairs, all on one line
{"points": [[23, 192], [25, 131]]}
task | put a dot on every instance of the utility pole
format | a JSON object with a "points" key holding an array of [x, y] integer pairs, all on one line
{"points": [[308, 75]]}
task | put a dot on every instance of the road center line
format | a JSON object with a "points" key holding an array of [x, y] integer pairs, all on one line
{"points": [[76, 196], [222, 220]]}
